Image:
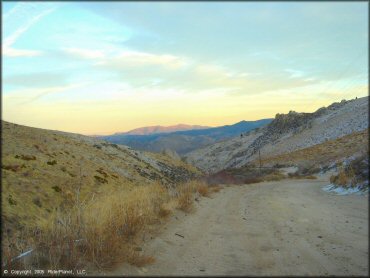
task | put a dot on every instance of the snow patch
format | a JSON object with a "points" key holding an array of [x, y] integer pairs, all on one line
{"points": [[339, 190]]}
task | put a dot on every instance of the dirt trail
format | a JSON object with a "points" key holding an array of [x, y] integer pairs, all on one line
{"points": [[289, 227]]}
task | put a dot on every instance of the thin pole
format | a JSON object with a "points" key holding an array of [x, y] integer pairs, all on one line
{"points": [[259, 154]]}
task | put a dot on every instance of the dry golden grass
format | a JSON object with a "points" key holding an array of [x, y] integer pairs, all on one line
{"points": [[164, 212], [301, 176], [203, 190], [185, 201], [345, 177], [105, 231], [139, 259], [328, 151], [276, 176], [101, 231], [215, 188], [185, 194]]}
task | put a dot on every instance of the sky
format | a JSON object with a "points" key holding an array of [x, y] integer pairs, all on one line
{"points": [[105, 67]]}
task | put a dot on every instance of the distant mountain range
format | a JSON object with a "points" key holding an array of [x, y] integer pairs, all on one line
{"points": [[182, 141], [161, 129]]}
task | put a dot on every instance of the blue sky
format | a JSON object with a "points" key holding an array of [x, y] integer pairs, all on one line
{"points": [[102, 67]]}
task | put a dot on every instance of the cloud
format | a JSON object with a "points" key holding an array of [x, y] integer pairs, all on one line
{"points": [[26, 96], [295, 73], [25, 15], [38, 79], [84, 53], [138, 59], [144, 69], [266, 54], [11, 52]]}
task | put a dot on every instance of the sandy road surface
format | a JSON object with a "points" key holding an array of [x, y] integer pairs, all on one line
{"points": [[290, 227]]}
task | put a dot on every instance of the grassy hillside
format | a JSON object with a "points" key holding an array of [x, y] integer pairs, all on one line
{"points": [[43, 170], [324, 154]]}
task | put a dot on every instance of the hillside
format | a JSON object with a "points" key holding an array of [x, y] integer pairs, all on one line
{"points": [[183, 142], [42, 169], [161, 129], [325, 154], [286, 133]]}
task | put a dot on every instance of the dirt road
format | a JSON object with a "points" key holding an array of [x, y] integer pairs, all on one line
{"points": [[290, 227]]}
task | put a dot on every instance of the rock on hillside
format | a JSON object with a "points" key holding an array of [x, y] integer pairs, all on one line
{"points": [[42, 169], [286, 133]]}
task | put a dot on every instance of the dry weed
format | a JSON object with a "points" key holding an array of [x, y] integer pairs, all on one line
{"points": [[215, 188], [140, 260], [203, 190], [164, 212], [102, 231], [185, 195]]}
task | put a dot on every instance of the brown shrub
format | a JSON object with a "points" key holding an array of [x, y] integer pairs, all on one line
{"points": [[26, 157], [344, 177], [101, 171], [56, 188], [310, 177], [100, 179], [139, 260], [185, 201], [13, 168], [274, 177], [252, 180], [301, 176], [164, 212], [215, 188], [203, 190], [37, 201], [351, 174], [333, 179], [185, 195]]}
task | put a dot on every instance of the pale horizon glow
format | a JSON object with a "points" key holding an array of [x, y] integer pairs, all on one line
{"points": [[104, 67]]}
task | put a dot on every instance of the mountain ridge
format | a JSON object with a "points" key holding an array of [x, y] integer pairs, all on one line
{"points": [[183, 142], [148, 130]]}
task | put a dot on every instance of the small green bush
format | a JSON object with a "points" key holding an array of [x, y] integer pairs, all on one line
{"points": [[56, 188]]}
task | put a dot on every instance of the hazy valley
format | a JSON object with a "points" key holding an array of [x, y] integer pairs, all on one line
{"points": [[182, 142]]}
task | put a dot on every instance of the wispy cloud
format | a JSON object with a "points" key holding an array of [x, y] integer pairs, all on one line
{"points": [[25, 15], [26, 96], [138, 59], [186, 73], [38, 79]]}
